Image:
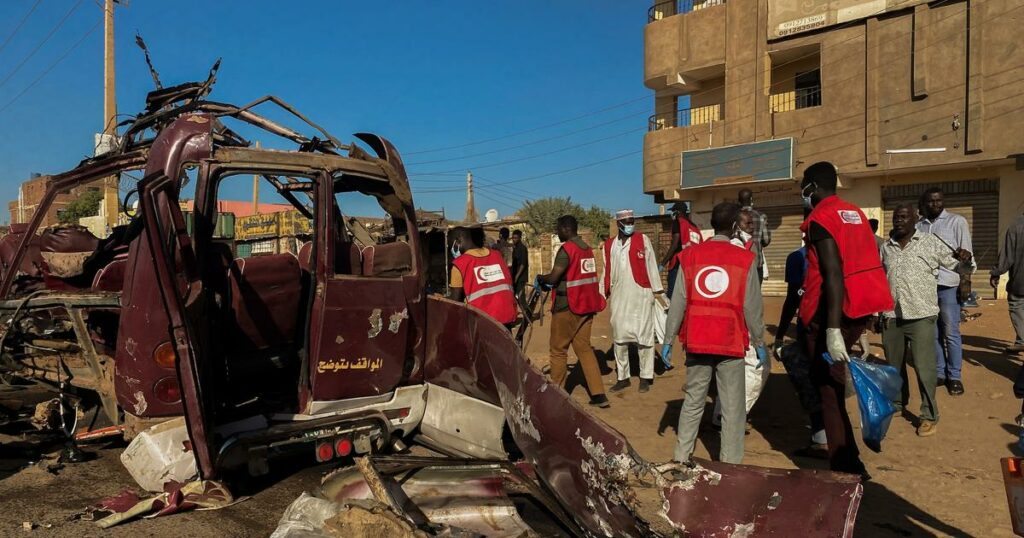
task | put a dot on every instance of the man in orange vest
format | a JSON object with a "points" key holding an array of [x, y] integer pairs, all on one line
{"points": [[845, 285], [716, 310], [577, 298], [632, 285], [480, 277]]}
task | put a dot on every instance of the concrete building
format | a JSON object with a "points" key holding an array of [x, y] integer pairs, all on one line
{"points": [[900, 94], [30, 193]]}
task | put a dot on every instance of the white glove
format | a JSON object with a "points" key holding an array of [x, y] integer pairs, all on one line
{"points": [[835, 345]]}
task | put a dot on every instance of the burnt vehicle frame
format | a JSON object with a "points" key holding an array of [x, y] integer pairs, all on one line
{"points": [[449, 375]]}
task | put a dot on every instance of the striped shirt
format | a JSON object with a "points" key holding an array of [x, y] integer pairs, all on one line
{"points": [[952, 229]]}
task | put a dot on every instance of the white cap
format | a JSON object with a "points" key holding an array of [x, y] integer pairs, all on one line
{"points": [[623, 214]]}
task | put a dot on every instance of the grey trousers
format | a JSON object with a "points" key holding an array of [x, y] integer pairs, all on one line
{"points": [[919, 335], [1016, 304], [729, 376]]}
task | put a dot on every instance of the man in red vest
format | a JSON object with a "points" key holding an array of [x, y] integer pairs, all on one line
{"points": [[684, 234], [632, 285], [845, 285], [577, 298], [480, 277], [717, 312]]}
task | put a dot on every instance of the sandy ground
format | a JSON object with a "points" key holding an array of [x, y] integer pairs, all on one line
{"points": [[945, 485]]}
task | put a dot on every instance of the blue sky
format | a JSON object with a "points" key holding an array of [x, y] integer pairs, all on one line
{"points": [[426, 75]]}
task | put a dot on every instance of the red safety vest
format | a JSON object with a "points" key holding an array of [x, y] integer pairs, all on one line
{"points": [[689, 235], [867, 289], [716, 287], [637, 261], [581, 281], [488, 285]]}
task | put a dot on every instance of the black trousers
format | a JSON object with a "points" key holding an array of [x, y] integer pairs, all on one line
{"points": [[830, 381]]}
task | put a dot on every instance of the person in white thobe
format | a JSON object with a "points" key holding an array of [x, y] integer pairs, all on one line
{"points": [[637, 313]]}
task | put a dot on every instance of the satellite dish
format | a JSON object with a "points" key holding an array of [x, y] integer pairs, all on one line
{"points": [[491, 215]]}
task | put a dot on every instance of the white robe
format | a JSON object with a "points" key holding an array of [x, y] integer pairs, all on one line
{"points": [[636, 317]]}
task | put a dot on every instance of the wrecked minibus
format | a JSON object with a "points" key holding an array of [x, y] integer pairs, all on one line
{"points": [[338, 352]]}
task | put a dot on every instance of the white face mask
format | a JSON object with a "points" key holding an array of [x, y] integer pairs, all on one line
{"points": [[806, 195], [627, 229], [744, 236]]}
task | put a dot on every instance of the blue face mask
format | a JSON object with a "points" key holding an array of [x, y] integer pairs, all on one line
{"points": [[627, 229], [455, 252]]}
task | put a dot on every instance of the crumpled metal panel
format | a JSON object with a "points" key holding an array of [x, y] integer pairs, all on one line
{"points": [[594, 472], [470, 499], [585, 462], [454, 358], [721, 499]]}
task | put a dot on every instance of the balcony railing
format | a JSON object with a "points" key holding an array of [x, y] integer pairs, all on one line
{"points": [[675, 7], [684, 117], [795, 100]]}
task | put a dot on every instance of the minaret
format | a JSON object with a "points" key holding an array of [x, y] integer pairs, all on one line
{"points": [[471, 216]]}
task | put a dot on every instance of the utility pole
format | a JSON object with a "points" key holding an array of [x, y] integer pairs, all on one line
{"points": [[471, 215], [109, 95], [110, 184]]}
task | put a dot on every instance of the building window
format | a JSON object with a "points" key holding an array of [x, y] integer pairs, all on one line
{"points": [[795, 78], [808, 88]]}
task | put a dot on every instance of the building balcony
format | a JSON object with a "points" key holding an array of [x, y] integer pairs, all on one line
{"points": [[662, 10], [684, 117], [795, 100], [682, 52]]}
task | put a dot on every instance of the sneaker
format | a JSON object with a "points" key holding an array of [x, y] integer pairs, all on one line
{"points": [[927, 428], [600, 401], [645, 384], [955, 387], [620, 385]]}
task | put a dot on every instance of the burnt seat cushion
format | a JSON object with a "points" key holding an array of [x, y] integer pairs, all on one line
{"points": [[347, 260], [305, 256], [64, 250], [111, 277], [32, 262], [388, 259], [67, 240], [265, 297]]}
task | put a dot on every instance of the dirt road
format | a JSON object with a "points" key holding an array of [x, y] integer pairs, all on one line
{"points": [[945, 485]]}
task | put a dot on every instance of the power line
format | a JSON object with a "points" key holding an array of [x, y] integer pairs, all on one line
{"points": [[533, 143], [41, 43], [842, 144], [20, 24], [537, 155], [531, 130], [52, 66], [856, 75], [706, 91]]}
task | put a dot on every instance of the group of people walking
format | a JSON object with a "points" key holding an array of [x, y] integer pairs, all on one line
{"points": [[843, 281]]}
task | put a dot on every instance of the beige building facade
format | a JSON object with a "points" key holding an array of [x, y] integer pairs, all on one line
{"points": [[900, 95]]}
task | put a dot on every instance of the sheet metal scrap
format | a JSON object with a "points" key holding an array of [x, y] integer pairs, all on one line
{"points": [[599, 478], [451, 496]]}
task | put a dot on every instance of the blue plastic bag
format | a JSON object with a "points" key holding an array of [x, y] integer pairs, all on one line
{"points": [[877, 387]]}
